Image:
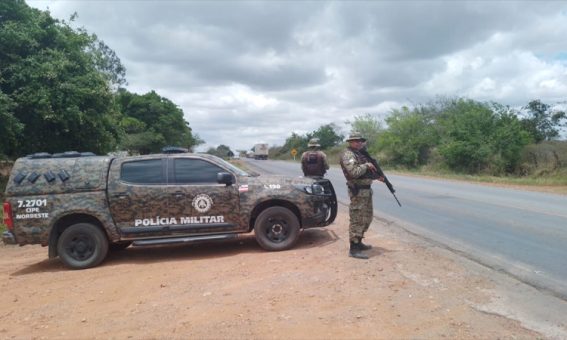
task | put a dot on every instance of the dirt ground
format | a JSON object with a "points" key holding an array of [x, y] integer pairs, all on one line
{"points": [[407, 289]]}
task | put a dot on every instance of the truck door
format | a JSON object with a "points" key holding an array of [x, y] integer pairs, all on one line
{"points": [[137, 194], [197, 201]]}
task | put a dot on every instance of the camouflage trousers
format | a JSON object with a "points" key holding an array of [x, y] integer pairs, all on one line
{"points": [[360, 213]]}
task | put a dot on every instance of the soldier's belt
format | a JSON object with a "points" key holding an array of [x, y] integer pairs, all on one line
{"points": [[355, 188]]}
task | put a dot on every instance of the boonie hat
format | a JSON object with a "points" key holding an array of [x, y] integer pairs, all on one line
{"points": [[355, 136], [314, 142]]}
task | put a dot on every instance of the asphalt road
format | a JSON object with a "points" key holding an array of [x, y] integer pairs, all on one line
{"points": [[517, 232]]}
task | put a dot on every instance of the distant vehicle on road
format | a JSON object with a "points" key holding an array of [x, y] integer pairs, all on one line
{"points": [[261, 151]]}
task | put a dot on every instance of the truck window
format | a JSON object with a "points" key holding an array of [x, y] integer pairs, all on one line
{"points": [[188, 171], [148, 171]]}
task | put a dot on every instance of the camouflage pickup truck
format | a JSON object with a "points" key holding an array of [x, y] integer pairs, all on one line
{"points": [[81, 205]]}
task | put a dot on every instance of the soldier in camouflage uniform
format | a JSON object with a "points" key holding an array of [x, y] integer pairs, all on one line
{"points": [[314, 162], [357, 169]]}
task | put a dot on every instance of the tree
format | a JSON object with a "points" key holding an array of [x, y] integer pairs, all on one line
{"points": [[509, 140], [107, 62], [370, 127], [477, 137], [143, 143], [295, 141], [543, 122], [222, 151], [55, 89], [10, 127], [466, 127], [152, 122], [409, 138], [328, 136]]}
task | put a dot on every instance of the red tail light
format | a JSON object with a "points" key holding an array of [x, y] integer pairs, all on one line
{"points": [[8, 221]]}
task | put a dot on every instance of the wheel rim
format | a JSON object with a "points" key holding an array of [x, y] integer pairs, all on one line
{"points": [[81, 247], [277, 230]]}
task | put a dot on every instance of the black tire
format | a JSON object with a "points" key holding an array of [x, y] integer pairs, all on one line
{"points": [[119, 245], [276, 228], [82, 245]]}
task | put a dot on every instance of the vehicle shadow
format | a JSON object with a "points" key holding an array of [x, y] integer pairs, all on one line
{"points": [[175, 252], [45, 266], [198, 251], [311, 238]]}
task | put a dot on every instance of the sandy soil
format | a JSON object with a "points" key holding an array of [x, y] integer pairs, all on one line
{"points": [[407, 289]]}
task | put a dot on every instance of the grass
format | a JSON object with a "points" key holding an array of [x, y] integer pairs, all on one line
{"points": [[240, 164], [554, 183]]}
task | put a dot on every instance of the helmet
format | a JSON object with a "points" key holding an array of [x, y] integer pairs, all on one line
{"points": [[314, 142], [355, 136]]}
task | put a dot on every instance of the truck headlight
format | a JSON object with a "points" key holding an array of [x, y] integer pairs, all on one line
{"points": [[313, 189]]}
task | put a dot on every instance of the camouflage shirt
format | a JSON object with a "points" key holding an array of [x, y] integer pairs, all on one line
{"points": [[355, 167], [314, 163]]}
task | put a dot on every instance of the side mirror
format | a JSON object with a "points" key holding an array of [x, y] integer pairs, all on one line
{"points": [[225, 178]]}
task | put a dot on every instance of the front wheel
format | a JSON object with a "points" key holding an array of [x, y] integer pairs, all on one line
{"points": [[82, 245], [276, 228]]}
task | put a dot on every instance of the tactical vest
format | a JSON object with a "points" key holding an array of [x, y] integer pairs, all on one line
{"points": [[360, 159], [313, 164]]}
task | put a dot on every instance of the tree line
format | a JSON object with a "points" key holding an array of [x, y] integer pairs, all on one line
{"points": [[329, 136], [60, 90], [456, 134]]}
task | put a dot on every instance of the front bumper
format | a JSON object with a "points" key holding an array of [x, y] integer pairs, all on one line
{"points": [[325, 210], [8, 237]]}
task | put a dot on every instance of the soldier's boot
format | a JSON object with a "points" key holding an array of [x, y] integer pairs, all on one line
{"points": [[364, 246], [356, 252]]}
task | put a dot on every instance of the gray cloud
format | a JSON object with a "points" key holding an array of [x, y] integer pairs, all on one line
{"points": [[252, 71]]}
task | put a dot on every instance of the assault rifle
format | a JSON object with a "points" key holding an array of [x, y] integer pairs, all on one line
{"points": [[379, 173]]}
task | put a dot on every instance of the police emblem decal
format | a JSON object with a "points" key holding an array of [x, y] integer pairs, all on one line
{"points": [[202, 203]]}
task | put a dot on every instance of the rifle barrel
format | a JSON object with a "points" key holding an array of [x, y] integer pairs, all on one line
{"points": [[381, 173], [397, 199]]}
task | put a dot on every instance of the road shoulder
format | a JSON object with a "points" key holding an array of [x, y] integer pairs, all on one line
{"points": [[408, 288]]}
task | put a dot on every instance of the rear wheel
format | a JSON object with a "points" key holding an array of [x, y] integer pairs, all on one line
{"points": [[276, 228], [82, 245]]}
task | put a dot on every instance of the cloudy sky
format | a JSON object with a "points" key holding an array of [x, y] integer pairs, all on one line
{"points": [[251, 71]]}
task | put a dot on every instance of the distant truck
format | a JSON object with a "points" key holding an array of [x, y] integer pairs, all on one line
{"points": [[261, 151]]}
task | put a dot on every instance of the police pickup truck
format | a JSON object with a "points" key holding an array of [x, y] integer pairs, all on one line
{"points": [[81, 205]]}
